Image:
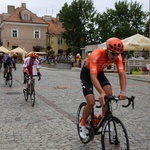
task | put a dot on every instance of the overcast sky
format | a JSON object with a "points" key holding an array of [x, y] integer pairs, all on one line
{"points": [[52, 7]]}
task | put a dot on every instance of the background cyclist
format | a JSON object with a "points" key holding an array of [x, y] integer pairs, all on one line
{"points": [[8, 63], [92, 75], [31, 66]]}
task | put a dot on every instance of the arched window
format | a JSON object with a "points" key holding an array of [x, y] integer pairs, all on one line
{"points": [[36, 33]]}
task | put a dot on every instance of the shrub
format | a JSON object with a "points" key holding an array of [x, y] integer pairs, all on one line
{"points": [[134, 69]]}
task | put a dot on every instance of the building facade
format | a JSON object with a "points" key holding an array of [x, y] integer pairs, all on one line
{"points": [[19, 27], [54, 32]]}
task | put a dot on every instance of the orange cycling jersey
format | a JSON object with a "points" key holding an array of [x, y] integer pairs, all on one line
{"points": [[98, 61]]}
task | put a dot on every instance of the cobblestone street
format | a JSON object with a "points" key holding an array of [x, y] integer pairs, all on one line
{"points": [[51, 123]]}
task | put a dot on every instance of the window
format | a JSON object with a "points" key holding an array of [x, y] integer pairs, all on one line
{"points": [[37, 33], [14, 32], [26, 17], [59, 40]]}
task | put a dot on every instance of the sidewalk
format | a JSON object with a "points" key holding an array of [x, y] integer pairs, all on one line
{"points": [[144, 77]]}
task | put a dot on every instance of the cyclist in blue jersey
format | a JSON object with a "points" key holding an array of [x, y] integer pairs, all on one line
{"points": [[8, 62]]}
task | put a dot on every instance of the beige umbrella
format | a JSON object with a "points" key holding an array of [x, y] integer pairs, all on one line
{"points": [[19, 50], [136, 42], [4, 50]]}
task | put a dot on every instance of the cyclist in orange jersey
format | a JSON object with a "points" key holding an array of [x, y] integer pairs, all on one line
{"points": [[92, 75]]}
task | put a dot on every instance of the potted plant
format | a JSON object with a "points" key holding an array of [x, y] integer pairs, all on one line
{"points": [[136, 71]]}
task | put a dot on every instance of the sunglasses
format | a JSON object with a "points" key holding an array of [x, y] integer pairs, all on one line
{"points": [[113, 53]]}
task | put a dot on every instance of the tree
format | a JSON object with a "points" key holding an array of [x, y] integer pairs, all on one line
{"points": [[125, 20], [79, 23]]}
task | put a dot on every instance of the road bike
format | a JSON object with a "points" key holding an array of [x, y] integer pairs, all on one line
{"points": [[113, 132], [9, 76], [29, 91]]}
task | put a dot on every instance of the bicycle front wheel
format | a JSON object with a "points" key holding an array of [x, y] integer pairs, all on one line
{"points": [[25, 92], [114, 135], [32, 95], [10, 78]]}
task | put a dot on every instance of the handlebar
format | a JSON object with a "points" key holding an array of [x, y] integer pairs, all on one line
{"points": [[116, 99], [130, 100], [31, 76]]}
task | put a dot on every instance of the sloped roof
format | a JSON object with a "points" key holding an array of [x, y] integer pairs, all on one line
{"points": [[55, 27], [16, 17]]}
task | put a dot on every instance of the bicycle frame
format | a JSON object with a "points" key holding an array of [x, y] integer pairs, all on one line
{"points": [[109, 110], [30, 89], [9, 76], [30, 80]]}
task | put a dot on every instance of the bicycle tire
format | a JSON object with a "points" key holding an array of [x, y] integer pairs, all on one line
{"points": [[32, 95], [5, 81], [90, 131], [25, 94], [10, 77], [114, 135]]}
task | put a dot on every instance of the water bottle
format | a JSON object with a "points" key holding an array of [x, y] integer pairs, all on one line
{"points": [[95, 121]]}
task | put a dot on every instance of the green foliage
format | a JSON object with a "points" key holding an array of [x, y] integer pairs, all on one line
{"points": [[62, 60], [125, 20], [78, 19], [134, 69], [50, 53], [84, 26]]}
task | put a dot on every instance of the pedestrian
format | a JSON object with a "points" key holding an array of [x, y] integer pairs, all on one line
{"points": [[78, 59]]}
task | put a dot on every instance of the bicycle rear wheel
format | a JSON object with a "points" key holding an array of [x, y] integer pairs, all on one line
{"points": [[114, 135], [32, 95], [10, 79], [90, 131]]}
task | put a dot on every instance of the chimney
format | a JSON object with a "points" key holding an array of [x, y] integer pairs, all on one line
{"points": [[10, 9], [47, 18], [23, 5]]}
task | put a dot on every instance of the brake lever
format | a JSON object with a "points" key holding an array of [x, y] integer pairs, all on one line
{"points": [[130, 100], [97, 105]]}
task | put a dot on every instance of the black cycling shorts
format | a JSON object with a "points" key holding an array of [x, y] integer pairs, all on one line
{"points": [[7, 65], [86, 83]]}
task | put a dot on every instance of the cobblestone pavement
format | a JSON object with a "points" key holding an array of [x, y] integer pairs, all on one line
{"points": [[50, 125]]}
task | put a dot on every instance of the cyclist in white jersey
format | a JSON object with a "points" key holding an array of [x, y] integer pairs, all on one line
{"points": [[31, 64]]}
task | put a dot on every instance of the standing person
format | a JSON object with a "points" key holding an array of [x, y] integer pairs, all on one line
{"points": [[78, 58], [92, 75], [29, 64], [72, 59]]}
